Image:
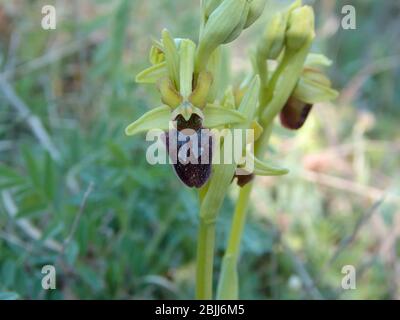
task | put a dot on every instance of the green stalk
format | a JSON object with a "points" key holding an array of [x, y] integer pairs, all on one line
{"points": [[228, 285], [211, 203], [284, 81], [281, 86], [205, 259], [213, 199], [238, 221]]}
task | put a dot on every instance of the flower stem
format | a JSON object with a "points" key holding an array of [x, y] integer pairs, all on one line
{"points": [[238, 222], [280, 87], [228, 286], [228, 282], [205, 259], [212, 198]]}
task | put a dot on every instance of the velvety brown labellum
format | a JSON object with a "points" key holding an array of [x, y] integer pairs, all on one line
{"points": [[194, 168], [295, 113]]}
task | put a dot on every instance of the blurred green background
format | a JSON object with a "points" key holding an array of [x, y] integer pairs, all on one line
{"points": [[76, 193]]}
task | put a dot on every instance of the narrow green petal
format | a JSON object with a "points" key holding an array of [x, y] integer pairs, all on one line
{"points": [[169, 95], [200, 94], [157, 118], [263, 168], [217, 116], [153, 74]]}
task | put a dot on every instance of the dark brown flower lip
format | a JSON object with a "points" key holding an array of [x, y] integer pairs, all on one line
{"points": [[295, 113], [195, 122], [193, 173]]}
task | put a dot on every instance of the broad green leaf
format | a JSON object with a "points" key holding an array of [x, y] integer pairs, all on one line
{"points": [[157, 118]]}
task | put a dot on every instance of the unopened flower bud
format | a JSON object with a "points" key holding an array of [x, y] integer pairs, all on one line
{"points": [[224, 25], [223, 21], [209, 7], [300, 27], [273, 39], [239, 27], [255, 11]]}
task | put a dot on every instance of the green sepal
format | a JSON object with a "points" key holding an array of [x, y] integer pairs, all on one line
{"points": [[153, 74], [171, 57], [312, 92], [187, 53], [215, 116], [263, 168], [157, 118]]}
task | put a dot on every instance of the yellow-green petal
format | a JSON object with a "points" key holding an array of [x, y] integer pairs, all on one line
{"points": [[171, 57], [153, 74], [312, 92], [217, 116], [263, 168], [187, 53], [157, 118]]}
